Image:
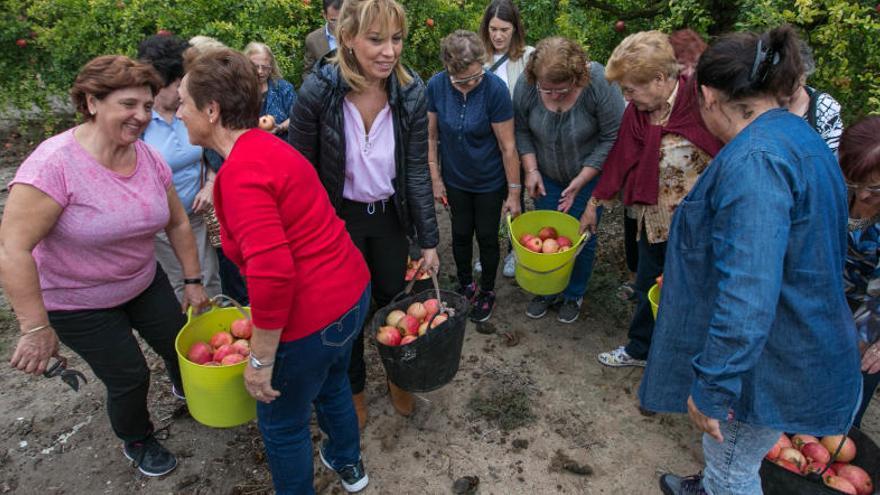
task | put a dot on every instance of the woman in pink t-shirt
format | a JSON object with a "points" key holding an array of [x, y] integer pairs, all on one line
{"points": [[76, 250]]}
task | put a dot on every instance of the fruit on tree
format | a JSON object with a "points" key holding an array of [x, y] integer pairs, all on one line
{"points": [[620, 26], [21, 42], [429, 22]]}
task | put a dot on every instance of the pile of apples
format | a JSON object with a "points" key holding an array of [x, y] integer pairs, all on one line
{"points": [[805, 454], [225, 348], [403, 328], [548, 241], [412, 271]]}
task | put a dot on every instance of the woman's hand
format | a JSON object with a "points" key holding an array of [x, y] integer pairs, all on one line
{"points": [[33, 351], [439, 192], [704, 423], [258, 383], [194, 295], [566, 199], [430, 262], [535, 184], [204, 198], [511, 204], [871, 359], [282, 127], [589, 220]]}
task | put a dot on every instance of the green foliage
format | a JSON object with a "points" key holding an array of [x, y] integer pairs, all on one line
{"points": [[61, 35]]}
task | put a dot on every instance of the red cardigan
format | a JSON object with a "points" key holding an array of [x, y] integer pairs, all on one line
{"points": [[276, 223]]}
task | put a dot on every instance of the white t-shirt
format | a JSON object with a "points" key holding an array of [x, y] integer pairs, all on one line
{"points": [[501, 71]]}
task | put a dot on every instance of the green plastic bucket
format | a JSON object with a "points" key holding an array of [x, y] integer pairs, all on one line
{"points": [[654, 299], [539, 273]]}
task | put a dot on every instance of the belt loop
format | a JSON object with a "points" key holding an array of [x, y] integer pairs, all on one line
{"points": [[384, 202], [371, 208]]}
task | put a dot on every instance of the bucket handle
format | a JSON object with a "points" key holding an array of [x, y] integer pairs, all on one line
{"points": [[408, 291], [215, 303]]}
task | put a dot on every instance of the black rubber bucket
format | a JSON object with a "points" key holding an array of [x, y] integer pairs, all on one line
{"points": [[432, 360], [776, 480]]}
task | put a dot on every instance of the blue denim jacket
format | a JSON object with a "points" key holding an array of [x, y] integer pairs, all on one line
{"points": [[753, 317]]}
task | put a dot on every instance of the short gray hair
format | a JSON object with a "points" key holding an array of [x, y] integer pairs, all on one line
{"points": [[807, 58], [461, 49]]}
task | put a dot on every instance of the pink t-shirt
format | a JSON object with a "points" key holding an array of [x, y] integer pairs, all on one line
{"points": [[369, 158], [100, 252]]}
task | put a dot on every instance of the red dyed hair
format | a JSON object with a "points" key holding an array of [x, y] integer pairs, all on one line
{"points": [[688, 46], [860, 150]]}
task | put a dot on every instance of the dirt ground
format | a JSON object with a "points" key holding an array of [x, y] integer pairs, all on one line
{"points": [[573, 426]]}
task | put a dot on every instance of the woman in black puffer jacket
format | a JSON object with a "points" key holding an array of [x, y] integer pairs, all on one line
{"points": [[361, 119]]}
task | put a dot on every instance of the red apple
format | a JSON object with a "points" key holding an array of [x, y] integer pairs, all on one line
{"points": [[394, 317], [432, 306], [417, 310], [232, 359], [547, 233], [620, 26], [408, 339], [534, 244], [793, 456], [222, 352], [423, 328], [840, 484], [564, 241], [21, 42], [525, 238], [220, 339], [815, 452], [787, 465], [859, 478], [200, 353], [798, 441], [439, 319], [818, 467], [550, 246], [784, 441], [267, 123], [409, 325], [847, 452], [389, 336], [163, 32], [659, 281], [242, 347], [429, 22], [242, 328]]}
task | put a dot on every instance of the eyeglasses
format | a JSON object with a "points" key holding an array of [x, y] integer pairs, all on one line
{"points": [[264, 68], [854, 188], [465, 80], [561, 92]]}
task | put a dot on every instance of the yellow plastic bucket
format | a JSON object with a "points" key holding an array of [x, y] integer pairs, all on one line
{"points": [[539, 273], [654, 299], [215, 395]]}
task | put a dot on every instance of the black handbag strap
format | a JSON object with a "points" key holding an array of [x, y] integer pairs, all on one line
{"points": [[498, 63]]}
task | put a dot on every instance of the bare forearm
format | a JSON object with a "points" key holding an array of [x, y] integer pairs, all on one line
{"points": [[510, 159], [184, 244], [264, 344], [21, 282]]}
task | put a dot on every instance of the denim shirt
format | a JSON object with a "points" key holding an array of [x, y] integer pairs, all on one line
{"points": [[753, 317]]}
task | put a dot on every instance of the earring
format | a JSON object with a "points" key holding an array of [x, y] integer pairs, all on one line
{"points": [[350, 52]]}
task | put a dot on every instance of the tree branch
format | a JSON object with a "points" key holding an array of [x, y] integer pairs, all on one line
{"points": [[652, 9]]}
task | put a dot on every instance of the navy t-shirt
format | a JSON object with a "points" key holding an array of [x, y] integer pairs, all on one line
{"points": [[469, 152]]}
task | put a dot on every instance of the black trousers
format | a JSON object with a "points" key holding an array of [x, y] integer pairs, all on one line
{"points": [[630, 244], [231, 282], [476, 213], [641, 328], [104, 339], [377, 233]]}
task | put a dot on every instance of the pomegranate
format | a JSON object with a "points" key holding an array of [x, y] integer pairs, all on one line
{"points": [[409, 325], [563, 241], [534, 244], [859, 478], [847, 452], [798, 441], [816, 452], [417, 310], [547, 233], [242, 346], [432, 306], [408, 339], [550, 246], [242, 328], [793, 456], [394, 317], [818, 467], [840, 484], [220, 339], [439, 319], [200, 353], [232, 359], [267, 123], [787, 465], [389, 336]]}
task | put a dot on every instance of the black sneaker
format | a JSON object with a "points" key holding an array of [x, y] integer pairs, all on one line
{"points": [[671, 484], [468, 291], [569, 311], [353, 477], [150, 457], [483, 304], [539, 305]]}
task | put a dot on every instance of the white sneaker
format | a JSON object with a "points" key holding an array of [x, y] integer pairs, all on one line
{"points": [[618, 358], [478, 268], [510, 265]]}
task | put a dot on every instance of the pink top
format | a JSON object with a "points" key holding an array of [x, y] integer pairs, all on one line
{"points": [[100, 252], [369, 158]]}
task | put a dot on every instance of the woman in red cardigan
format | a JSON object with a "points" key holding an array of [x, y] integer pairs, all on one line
{"points": [[308, 284]]}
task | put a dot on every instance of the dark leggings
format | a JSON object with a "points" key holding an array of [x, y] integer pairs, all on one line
{"points": [[476, 213], [103, 338], [376, 231], [630, 242]]}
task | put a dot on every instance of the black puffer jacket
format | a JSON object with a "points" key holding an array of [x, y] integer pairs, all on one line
{"points": [[317, 131]]}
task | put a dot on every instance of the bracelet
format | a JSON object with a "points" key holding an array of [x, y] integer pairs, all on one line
{"points": [[257, 364], [514, 186], [36, 329], [192, 281]]}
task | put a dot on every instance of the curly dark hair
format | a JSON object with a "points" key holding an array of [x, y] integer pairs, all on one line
{"points": [[165, 53]]}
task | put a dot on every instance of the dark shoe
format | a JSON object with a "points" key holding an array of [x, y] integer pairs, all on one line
{"points": [[354, 478], [468, 291], [539, 305], [150, 457], [671, 484], [483, 304], [570, 310]]}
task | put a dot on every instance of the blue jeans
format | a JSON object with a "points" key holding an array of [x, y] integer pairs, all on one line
{"points": [[583, 265], [312, 370], [732, 466]]}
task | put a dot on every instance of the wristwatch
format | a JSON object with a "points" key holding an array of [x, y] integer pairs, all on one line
{"points": [[257, 364], [192, 281]]}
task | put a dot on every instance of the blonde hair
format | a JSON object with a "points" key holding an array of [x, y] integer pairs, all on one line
{"points": [[255, 47], [561, 59], [199, 45], [356, 17], [641, 56]]}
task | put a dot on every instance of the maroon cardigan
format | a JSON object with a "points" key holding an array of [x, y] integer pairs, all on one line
{"points": [[633, 163]]}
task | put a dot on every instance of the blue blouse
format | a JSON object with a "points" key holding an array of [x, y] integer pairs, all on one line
{"points": [[278, 101], [862, 280], [172, 142], [753, 316]]}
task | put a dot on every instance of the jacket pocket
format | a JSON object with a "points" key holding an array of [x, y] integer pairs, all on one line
{"points": [[691, 224]]}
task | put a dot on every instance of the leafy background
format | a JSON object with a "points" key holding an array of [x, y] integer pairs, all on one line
{"points": [[44, 42]]}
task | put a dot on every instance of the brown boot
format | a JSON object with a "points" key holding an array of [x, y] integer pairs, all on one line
{"points": [[360, 407], [403, 401]]}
